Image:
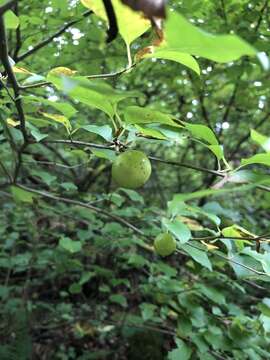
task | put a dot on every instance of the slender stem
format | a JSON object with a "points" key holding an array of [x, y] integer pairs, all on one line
{"points": [[198, 168], [229, 260], [82, 204], [97, 76], [129, 56], [50, 38]]}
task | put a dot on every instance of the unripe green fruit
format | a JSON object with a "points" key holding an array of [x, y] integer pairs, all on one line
{"points": [[164, 244], [131, 169]]}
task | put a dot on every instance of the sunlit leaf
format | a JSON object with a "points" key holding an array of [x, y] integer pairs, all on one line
{"points": [[182, 36], [198, 255], [131, 24], [11, 20], [60, 119], [144, 115], [169, 54], [202, 132], [263, 159], [260, 139]]}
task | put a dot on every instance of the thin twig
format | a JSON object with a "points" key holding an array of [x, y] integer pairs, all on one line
{"points": [[218, 237], [198, 168], [97, 76], [78, 143], [50, 38], [100, 146], [12, 78], [82, 204], [229, 260]]}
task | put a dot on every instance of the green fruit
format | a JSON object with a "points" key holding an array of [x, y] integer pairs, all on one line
{"points": [[131, 169], [164, 244]]}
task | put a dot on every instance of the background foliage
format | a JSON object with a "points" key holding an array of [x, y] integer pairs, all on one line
{"points": [[79, 277]]}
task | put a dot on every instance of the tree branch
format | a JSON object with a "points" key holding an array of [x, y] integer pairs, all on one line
{"points": [[100, 146], [50, 38], [218, 254], [98, 76], [188, 166], [84, 205], [18, 35], [12, 78], [7, 6]]}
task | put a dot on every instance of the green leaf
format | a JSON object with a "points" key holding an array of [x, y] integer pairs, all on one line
{"points": [[202, 132], [65, 108], [46, 177], [183, 352], [177, 228], [104, 131], [265, 320], [35, 132], [198, 255], [148, 311], [153, 133], [182, 36], [59, 119], [263, 159], [260, 139], [11, 20], [208, 192], [94, 93], [248, 176], [118, 299], [70, 245], [75, 288], [264, 259], [133, 195], [217, 150], [21, 195], [212, 294], [104, 153], [144, 115], [169, 54], [232, 231], [131, 24]]}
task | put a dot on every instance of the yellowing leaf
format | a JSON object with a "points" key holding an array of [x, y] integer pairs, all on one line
{"points": [[61, 70], [12, 122], [60, 119], [210, 247], [131, 24], [191, 223], [236, 231], [85, 329], [21, 70]]}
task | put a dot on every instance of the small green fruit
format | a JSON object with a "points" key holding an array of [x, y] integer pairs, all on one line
{"points": [[164, 244], [131, 169]]}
